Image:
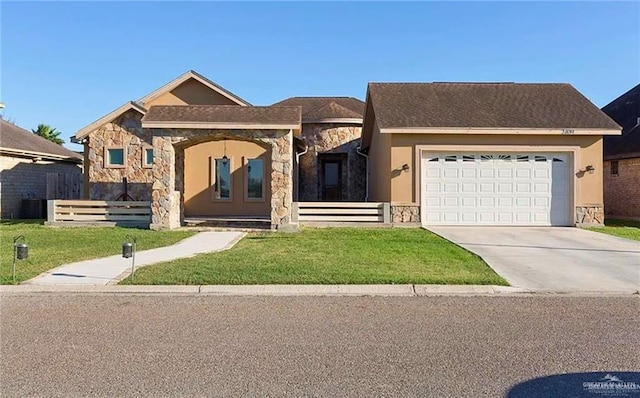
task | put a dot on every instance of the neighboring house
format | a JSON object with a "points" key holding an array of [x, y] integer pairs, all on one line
{"points": [[331, 168], [25, 161], [456, 154], [622, 157], [486, 153]]}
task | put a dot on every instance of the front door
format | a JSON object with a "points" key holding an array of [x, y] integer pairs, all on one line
{"points": [[331, 181]]}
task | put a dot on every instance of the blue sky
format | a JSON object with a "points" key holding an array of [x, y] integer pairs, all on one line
{"points": [[68, 63]]}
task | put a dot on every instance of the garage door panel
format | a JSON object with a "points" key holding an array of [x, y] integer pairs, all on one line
{"points": [[497, 189]]}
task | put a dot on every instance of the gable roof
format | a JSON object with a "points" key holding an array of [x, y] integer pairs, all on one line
{"points": [[14, 139], [485, 105], [198, 77], [139, 105], [625, 110], [107, 118], [327, 109], [222, 116]]}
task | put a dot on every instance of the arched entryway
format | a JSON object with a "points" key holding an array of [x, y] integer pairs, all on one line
{"points": [[225, 177]]}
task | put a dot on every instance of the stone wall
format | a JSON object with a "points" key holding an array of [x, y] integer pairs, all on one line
{"points": [[333, 139], [622, 191], [405, 214], [106, 183], [21, 178], [169, 164], [589, 215]]}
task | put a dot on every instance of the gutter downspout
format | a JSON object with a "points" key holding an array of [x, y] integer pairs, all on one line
{"points": [[366, 179], [298, 154]]}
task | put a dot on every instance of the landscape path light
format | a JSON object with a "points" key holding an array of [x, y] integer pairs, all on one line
{"points": [[20, 252]]}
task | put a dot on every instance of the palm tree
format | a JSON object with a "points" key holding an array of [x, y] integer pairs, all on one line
{"points": [[49, 133]]}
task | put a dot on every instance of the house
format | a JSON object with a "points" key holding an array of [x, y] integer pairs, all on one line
{"points": [[485, 153], [622, 157], [197, 150], [25, 161], [439, 153]]}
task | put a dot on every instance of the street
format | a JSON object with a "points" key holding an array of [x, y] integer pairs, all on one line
{"points": [[59, 345]]}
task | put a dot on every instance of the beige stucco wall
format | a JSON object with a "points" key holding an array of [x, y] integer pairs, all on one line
{"points": [[379, 167], [404, 187], [198, 180], [190, 92]]}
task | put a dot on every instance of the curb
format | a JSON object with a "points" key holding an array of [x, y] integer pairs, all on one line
{"points": [[304, 290]]}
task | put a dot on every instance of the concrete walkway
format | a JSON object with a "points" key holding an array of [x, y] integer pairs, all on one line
{"points": [[553, 258], [110, 270]]}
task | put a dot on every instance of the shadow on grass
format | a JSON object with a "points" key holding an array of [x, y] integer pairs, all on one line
{"points": [[619, 222], [21, 222]]}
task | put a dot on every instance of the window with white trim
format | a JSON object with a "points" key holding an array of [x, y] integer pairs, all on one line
{"points": [[115, 157], [147, 158]]}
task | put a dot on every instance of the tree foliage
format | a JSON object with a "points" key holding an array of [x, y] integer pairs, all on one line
{"points": [[49, 133]]}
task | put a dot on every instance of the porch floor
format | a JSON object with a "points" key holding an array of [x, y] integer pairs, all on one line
{"points": [[230, 222]]}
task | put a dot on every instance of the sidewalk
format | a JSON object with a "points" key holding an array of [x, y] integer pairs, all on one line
{"points": [[110, 270]]}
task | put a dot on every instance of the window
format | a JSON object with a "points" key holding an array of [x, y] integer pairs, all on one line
{"points": [[114, 157], [254, 182], [147, 158], [222, 179], [614, 167]]}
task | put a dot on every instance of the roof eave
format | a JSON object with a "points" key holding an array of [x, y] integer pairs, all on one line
{"points": [[219, 125], [106, 119], [43, 155], [200, 78]]}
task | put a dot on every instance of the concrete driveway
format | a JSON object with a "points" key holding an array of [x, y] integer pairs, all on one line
{"points": [[554, 259]]}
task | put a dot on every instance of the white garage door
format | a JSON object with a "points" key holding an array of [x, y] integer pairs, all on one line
{"points": [[495, 189]]}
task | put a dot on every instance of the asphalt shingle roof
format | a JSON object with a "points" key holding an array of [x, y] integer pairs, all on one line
{"points": [[469, 105], [223, 114], [19, 139], [318, 108], [625, 110]]}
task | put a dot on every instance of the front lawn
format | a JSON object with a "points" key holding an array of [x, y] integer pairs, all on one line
{"points": [[628, 229], [50, 247], [329, 256]]}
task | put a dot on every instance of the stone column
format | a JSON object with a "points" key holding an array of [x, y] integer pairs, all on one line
{"points": [[281, 179], [165, 200]]}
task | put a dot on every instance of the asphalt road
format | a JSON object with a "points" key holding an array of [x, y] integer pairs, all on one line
{"points": [[120, 346]]}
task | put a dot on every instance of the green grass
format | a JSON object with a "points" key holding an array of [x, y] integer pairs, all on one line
{"points": [[50, 247], [628, 229], [329, 256]]}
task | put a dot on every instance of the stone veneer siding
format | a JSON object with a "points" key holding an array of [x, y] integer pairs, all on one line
{"points": [[21, 178], [168, 152], [106, 183], [405, 213], [332, 138], [586, 215], [622, 191]]}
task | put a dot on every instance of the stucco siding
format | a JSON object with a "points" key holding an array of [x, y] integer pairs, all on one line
{"points": [[199, 181], [588, 190], [190, 92], [380, 167], [21, 178], [622, 191]]}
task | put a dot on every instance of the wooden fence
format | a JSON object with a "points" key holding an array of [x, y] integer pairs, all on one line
{"points": [[64, 186], [98, 212], [341, 212]]}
